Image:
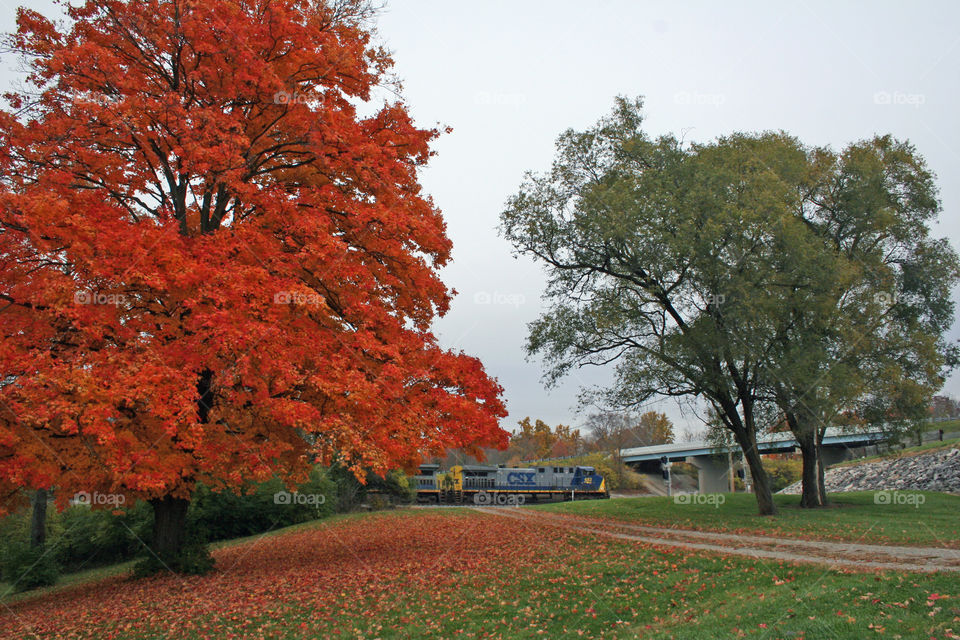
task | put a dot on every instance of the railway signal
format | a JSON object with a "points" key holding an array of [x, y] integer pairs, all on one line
{"points": [[665, 465]]}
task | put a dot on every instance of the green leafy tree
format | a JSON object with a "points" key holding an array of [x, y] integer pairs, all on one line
{"points": [[777, 282], [864, 332], [644, 257]]}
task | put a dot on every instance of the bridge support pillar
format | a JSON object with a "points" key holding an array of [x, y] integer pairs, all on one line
{"points": [[833, 455], [714, 473]]}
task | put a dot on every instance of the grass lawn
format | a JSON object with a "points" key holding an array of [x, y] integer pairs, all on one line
{"points": [[455, 573], [853, 517], [946, 425]]}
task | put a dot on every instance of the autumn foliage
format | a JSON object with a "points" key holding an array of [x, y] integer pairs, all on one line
{"points": [[213, 266]]}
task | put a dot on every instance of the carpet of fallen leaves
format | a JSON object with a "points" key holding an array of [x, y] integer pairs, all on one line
{"points": [[431, 573]]}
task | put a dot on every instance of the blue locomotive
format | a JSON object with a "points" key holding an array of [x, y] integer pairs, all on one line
{"points": [[484, 484]]}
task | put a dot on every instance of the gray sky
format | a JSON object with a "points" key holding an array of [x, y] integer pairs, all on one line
{"points": [[510, 76]]}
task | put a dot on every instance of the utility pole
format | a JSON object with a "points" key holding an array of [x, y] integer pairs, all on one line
{"points": [[665, 465], [745, 475], [733, 485]]}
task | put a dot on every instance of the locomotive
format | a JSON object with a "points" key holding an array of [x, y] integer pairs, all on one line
{"points": [[485, 484]]}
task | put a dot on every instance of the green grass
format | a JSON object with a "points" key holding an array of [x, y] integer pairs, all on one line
{"points": [[550, 584], [946, 425], [618, 590], [852, 517]]}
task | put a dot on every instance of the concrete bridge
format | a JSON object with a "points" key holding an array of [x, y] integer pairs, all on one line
{"points": [[714, 463]]}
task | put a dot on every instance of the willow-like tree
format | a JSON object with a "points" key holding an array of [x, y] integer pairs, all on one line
{"points": [[212, 267], [640, 250], [865, 337], [763, 276]]}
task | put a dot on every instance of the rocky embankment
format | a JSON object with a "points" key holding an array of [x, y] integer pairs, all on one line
{"points": [[934, 471]]}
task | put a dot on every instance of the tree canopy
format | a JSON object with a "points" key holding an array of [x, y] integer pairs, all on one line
{"points": [[212, 267], [752, 272]]}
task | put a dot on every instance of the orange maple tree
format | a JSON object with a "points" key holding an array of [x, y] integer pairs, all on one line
{"points": [[213, 268]]}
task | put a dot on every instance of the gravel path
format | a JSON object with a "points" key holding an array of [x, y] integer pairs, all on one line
{"points": [[840, 555]]}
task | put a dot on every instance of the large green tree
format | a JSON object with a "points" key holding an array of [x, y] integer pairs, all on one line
{"points": [[767, 278], [866, 336], [640, 251]]}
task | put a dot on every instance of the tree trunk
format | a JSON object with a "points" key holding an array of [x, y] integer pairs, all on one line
{"points": [[811, 495], [38, 521], [803, 425], [169, 526], [821, 469], [761, 481]]}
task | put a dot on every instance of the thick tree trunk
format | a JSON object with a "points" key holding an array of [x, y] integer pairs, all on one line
{"points": [[804, 427], [169, 526], [38, 521], [821, 469], [811, 495], [761, 481]]}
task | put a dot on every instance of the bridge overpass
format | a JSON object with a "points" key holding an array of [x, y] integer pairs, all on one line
{"points": [[713, 462]]}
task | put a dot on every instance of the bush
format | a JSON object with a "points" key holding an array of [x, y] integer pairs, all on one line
{"points": [[27, 567], [783, 472], [395, 487], [87, 537], [271, 505]]}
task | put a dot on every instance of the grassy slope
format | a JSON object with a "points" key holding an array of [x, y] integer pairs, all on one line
{"points": [[853, 517], [473, 575]]}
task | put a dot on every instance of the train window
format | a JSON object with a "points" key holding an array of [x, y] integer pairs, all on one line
{"points": [[542, 470]]}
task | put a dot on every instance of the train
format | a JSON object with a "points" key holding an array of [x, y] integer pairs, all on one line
{"points": [[486, 484]]}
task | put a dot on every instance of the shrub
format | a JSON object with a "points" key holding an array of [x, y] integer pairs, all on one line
{"points": [[396, 487], [269, 505], [783, 472], [27, 567], [90, 537]]}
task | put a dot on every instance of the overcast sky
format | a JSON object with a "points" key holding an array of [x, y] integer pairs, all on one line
{"points": [[509, 76]]}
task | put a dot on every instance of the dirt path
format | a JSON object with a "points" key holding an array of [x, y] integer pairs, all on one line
{"points": [[841, 555]]}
